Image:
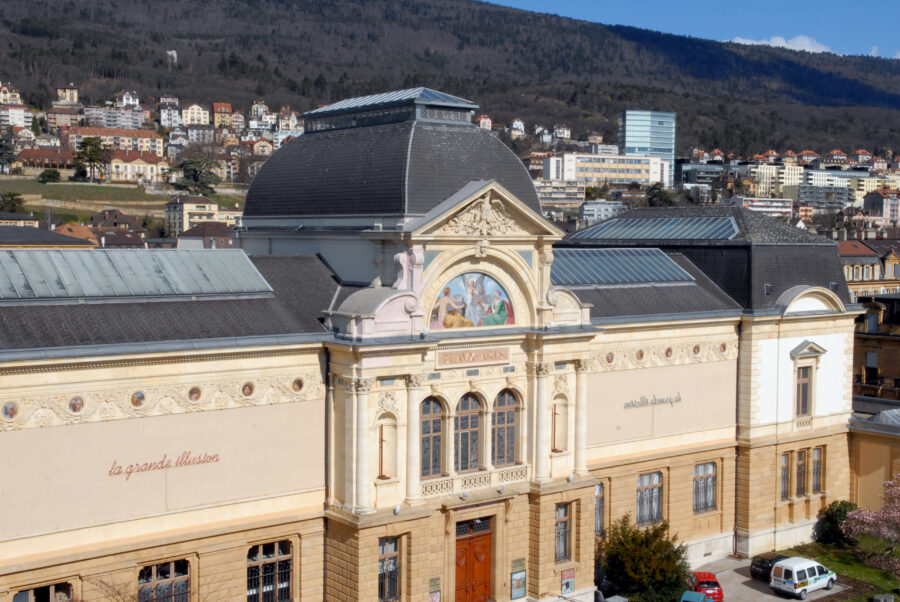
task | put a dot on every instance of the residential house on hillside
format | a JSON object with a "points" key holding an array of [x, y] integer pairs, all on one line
{"points": [[15, 116], [66, 95], [185, 212], [207, 235], [109, 117], [9, 95], [561, 132], [113, 218], [169, 99], [861, 156], [517, 129], [47, 158], [8, 218], [288, 119], [201, 134], [126, 99], [46, 141], [258, 109], [195, 115], [170, 115], [115, 138], [221, 114], [136, 166], [62, 117], [884, 203], [484, 122], [237, 121], [808, 156]]}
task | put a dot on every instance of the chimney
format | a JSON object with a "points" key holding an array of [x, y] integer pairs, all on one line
{"points": [[842, 235]]}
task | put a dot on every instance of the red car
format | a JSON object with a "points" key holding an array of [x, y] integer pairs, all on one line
{"points": [[706, 583]]}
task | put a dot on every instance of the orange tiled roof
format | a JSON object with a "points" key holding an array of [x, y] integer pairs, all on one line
{"points": [[854, 247], [809, 152], [836, 152], [76, 231], [128, 156]]}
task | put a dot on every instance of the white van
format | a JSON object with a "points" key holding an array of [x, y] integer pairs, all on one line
{"points": [[798, 576]]}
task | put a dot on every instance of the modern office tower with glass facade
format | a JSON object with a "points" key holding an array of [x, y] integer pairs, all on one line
{"points": [[649, 133]]}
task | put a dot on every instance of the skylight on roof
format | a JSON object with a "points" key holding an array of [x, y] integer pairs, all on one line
{"points": [[573, 267], [94, 275], [673, 228]]}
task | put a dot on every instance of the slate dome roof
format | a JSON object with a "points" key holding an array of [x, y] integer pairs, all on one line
{"points": [[401, 157]]}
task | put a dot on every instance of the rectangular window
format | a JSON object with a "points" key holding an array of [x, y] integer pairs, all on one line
{"points": [[818, 455], [801, 473], [563, 537], [705, 487], [803, 383], [388, 569], [58, 592], [269, 572], [165, 582], [649, 498], [785, 476], [599, 500]]}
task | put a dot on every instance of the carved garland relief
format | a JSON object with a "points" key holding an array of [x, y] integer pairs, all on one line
{"points": [[651, 356], [97, 406]]}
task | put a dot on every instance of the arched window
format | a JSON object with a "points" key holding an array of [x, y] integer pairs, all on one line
{"points": [[847, 270], [868, 272], [856, 272], [503, 433], [560, 425], [387, 446], [432, 444], [466, 433]]}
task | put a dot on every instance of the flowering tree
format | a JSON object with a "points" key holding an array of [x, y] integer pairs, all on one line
{"points": [[884, 523]]}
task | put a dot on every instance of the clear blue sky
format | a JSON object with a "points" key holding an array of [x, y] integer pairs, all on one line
{"points": [[867, 28]]}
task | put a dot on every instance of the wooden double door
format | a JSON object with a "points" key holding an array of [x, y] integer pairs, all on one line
{"points": [[473, 560]]}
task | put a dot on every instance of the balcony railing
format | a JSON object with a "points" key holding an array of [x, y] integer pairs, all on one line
{"points": [[457, 484]]}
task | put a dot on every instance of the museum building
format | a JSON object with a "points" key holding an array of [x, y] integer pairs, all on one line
{"points": [[407, 384]]}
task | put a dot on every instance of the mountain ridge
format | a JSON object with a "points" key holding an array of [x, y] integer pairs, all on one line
{"points": [[513, 63]]}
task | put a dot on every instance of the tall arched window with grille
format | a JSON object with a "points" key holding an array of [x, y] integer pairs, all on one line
{"points": [[503, 433], [467, 433], [432, 416]]}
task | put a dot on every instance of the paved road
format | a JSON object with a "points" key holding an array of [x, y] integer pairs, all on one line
{"points": [[738, 586]]}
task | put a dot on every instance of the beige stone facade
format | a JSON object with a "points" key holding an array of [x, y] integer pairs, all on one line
{"points": [[476, 461]]}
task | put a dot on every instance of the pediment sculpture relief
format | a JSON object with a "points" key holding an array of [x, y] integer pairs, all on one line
{"points": [[484, 217]]}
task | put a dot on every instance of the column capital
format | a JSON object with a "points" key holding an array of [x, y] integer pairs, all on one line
{"points": [[539, 368], [415, 381], [364, 385], [582, 365], [543, 368]]}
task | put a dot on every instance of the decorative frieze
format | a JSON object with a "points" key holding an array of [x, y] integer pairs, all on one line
{"points": [[76, 407], [613, 359]]}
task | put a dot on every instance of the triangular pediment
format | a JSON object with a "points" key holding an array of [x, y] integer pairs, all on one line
{"points": [[807, 349], [484, 210]]}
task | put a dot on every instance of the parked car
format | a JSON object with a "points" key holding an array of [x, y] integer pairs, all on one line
{"points": [[799, 576], [706, 583], [761, 566]]}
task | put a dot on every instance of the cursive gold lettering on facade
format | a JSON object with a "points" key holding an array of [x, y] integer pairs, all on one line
{"points": [[187, 458], [464, 357]]}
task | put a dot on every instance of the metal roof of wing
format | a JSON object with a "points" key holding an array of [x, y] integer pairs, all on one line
{"points": [[127, 275]]}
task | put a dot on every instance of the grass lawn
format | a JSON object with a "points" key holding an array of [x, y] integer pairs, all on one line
{"points": [[78, 192], [226, 200], [846, 562]]}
